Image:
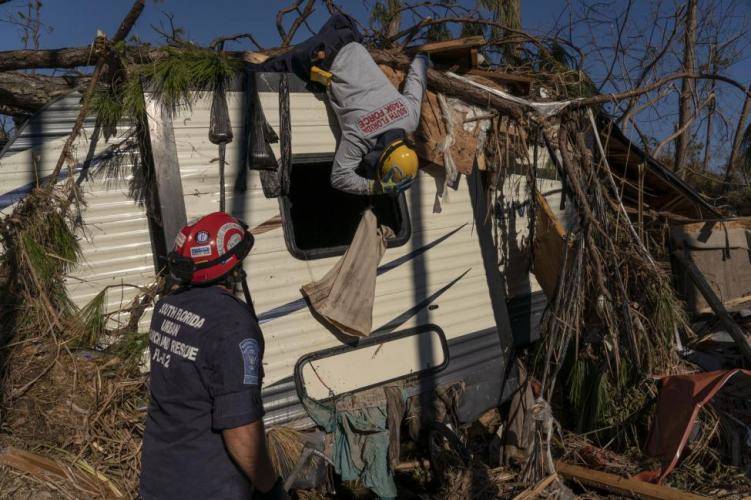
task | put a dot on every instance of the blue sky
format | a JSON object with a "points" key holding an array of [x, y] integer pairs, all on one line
{"points": [[74, 23]]}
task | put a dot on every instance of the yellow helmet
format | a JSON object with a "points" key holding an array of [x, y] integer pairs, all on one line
{"points": [[398, 162]]}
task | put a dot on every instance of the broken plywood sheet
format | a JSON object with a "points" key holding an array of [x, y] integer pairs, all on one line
{"points": [[430, 136], [721, 251], [550, 238]]}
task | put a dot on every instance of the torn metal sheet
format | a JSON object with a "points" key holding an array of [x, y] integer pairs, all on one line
{"points": [[678, 404]]}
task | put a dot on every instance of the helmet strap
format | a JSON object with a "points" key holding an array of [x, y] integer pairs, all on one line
{"points": [[246, 292]]}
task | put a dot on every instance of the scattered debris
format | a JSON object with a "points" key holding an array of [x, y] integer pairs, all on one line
{"points": [[620, 485], [81, 476], [614, 324]]}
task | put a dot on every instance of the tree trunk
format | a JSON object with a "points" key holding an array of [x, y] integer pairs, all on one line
{"points": [[510, 14], [22, 94], [687, 90], [708, 140], [737, 140], [710, 108], [396, 20]]}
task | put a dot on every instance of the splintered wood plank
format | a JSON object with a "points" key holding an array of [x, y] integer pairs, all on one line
{"points": [[449, 45], [621, 485], [461, 52]]}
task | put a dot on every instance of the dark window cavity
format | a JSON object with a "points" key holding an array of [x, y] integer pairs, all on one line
{"points": [[320, 221]]}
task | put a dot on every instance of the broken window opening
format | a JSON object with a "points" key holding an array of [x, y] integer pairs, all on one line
{"points": [[320, 221]]}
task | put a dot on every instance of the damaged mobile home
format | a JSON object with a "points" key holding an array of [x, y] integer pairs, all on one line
{"points": [[438, 277], [474, 255]]}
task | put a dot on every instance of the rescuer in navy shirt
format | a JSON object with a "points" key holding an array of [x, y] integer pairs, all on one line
{"points": [[204, 435]]}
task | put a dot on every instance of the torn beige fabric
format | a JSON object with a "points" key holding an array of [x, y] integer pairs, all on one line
{"points": [[345, 295], [519, 433]]}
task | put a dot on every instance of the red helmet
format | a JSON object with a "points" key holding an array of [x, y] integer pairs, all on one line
{"points": [[209, 248]]}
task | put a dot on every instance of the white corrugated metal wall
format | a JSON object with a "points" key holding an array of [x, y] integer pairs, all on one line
{"points": [[117, 246], [276, 276], [115, 241]]}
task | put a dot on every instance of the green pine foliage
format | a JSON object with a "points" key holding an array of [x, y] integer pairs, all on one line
{"points": [[184, 75], [93, 320]]}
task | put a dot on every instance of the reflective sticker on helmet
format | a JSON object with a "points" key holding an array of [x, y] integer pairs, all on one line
{"points": [[222, 233], [202, 236], [179, 240], [203, 251], [233, 241]]}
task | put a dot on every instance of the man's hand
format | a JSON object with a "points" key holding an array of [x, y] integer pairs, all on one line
{"points": [[247, 447], [275, 493], [389, 186]]}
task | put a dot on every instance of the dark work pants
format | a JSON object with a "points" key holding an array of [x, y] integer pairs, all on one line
{"points": [[338, 31]]}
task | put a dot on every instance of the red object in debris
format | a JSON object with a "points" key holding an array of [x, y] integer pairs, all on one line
{"points": [[678, 403]]}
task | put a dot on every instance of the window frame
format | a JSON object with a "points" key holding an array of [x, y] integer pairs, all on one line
{"points": [[398, 240]]}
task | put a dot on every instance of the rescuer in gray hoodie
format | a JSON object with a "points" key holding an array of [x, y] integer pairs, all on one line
{"points": [[374, 155], [369, 108]]}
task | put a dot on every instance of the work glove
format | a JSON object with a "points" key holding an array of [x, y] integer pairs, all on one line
{"points": [[275, 493], [389, 186]]}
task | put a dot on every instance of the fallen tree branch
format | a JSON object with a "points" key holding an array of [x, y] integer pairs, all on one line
{"points": [[37, 59], [603, 98], [467, 20], [298, 22], [439, 82], [22, 94], [76, 57], [287, 36], [215, 43], [122, 32]]}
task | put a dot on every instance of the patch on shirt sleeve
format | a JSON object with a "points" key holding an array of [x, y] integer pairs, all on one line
{"points": [[251, 360]]}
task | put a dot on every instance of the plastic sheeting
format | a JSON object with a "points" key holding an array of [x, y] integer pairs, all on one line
{"points": [[545, 109]]}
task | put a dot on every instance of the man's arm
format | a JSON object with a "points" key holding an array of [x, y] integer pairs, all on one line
{"points": [[247, 447], [232, 369], [414, 88], [343, 173]]}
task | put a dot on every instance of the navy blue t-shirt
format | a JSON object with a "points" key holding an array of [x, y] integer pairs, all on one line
{"points": [[206, 373]]}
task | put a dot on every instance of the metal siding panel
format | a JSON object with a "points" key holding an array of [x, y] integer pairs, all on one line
{"points": [[115, 241]]}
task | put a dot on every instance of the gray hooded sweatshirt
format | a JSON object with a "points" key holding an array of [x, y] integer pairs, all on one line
{"points": [[367, 105]]}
